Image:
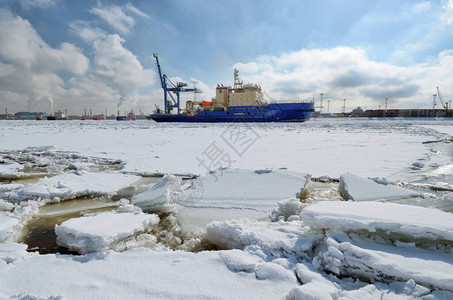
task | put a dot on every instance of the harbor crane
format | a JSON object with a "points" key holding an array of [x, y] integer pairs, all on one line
{"points": [[170, 88], [441, 100]]}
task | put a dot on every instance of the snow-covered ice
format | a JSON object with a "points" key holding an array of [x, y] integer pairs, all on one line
{"points": [[144, 274], [387, 263], [242, 189], [160, 196], [357, 188], [275, 239], [414, 221], [104, 231], [276, 244], [378, 149], [8, 222], [73, 185]]}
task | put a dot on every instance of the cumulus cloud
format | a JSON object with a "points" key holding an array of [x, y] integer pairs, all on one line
{"points": [[120, 68], [29, 66], [347, 73], [117, 16]]}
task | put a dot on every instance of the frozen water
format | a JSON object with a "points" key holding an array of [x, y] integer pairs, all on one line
{"points": [[104, 231], [313, 147], [242, 189], [357, 188], [274, 239], [369, 251], [143, 274], [73, 185], [160, 196], [418, 222], [386, 263], [8, 222]]}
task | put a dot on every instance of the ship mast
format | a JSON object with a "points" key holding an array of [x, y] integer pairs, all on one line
{"points": [[237, 82]]}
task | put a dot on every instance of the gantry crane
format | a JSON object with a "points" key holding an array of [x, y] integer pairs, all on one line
{"points": [[444, 103], [171, 88]]}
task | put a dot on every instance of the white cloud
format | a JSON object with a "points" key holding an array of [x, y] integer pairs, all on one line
{"points": [[447, 17], [120, 68], [135, 10], [29, 66], [116, 16], [345, 72], [87, 32]]}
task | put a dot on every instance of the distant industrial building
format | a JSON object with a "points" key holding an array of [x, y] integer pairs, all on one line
{"points": [[408, 113]]}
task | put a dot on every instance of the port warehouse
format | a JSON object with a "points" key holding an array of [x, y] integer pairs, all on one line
{"points": [[406, 113], [392, 113]]}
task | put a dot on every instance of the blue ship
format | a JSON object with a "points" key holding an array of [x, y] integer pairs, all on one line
{"points": [[274, 112], [240, 103]]}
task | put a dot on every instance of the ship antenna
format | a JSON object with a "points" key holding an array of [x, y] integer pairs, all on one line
{"points": [[237, 82]]}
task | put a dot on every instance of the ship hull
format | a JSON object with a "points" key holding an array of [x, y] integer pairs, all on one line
{"points": [[275, 112]]}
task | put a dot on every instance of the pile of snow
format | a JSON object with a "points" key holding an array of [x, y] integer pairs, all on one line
{"points": [[357, 188], [274, 239], [288, 210], [414, 221], [104, 231], [359, 259], [160, 196], [73, 185]]}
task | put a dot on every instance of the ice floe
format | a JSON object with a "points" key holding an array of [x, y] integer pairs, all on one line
{"points": [[242, 189], [72, 185], [413, 221], [235, 194], [160, 196], [377, 262], [104, 231], [357, 188]]}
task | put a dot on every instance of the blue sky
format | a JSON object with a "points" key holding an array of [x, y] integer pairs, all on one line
{"points": [[73, 55]]}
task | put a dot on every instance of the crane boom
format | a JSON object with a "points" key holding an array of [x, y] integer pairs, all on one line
{"points": [[169, 87], [162, 79], [444, 103]]}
